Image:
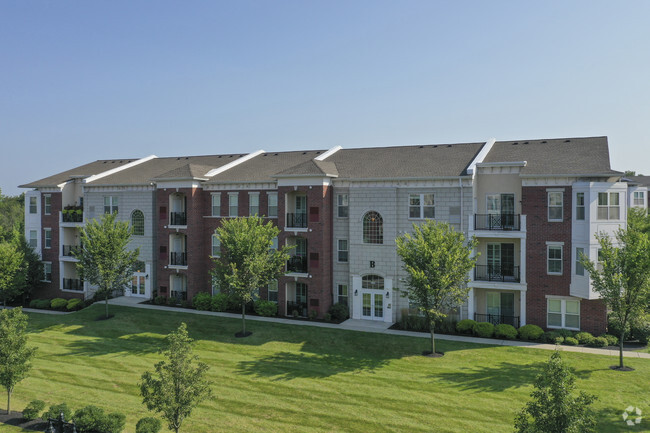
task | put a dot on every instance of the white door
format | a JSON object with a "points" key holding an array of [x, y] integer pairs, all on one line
{"points": [[372, 307]]}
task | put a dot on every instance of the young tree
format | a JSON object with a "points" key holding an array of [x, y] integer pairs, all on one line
{"points": [[247, 260], [11, 271], [178, 385], [32, 269], [15, 356], [103, 258], [554, 409], [438, 260], [622, 277]]}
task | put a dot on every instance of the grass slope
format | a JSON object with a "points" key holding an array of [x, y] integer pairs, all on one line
{"points": [[305, 379]]}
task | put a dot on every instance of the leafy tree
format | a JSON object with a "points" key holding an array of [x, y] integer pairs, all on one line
{"points": [[12, 215], [554, 409], [247, 260], [178, 384], [32, 269], [638, 219], [103, 258], [622, 277], [15, 356], [437, 259], [11, 275]]}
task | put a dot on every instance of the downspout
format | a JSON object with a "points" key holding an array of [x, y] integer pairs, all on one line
{"points": [[460, 184]]}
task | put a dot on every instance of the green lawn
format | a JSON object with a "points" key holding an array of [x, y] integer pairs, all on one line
{"points": [[306, 379]]}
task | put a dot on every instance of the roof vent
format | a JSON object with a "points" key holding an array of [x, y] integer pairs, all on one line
{"points": [[266, 154], [515, 143], [187, 157], [275, 154], [525, 142], [317, 152], [449, 145], [544, 142], [304, 153], [567, 141], [421, 147]]}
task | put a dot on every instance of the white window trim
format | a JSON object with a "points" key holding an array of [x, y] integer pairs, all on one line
{"points": [[555, 244], [113, 199], [339, 206], [548, 204], [214, 195], [268, 200], [45, 231], [230, 195], [51, 272], [212, 238], [563, 311], [576, 261], [643, 199], [45, 198], [29, 240], [29, 205], [421, 206], [608, 206], [250, 196], [583, 206], [338, 250]]}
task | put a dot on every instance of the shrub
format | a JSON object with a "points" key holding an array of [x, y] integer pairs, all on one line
{"points": [[614, 327], [148, 425], [565, 333], [92, 419], [640, 329], [59, 304], [313, 314], [339, 312], [599, 342], [445, 326], [219, 302], [612, 340], [483, 329], [328, 317], [54, 411], [505, 331], [114, 423], [266, 308], [202, 302], [172, 301], [571, 341], [553, 337], [32, 410], [530, 332], [33, 302], [465, 326], [159, 300], [584, 337], [74, 304], [43, 304]]}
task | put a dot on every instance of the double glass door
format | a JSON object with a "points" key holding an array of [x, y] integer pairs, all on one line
{"points": [[373, 305]]}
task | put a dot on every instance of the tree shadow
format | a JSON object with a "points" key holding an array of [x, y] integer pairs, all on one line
{"points": [[134, 344]]}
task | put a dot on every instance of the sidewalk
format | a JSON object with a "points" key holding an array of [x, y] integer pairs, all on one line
{"points": [[365, 326]]}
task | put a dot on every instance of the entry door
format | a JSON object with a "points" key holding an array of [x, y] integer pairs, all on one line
{"points": [[501, 208], [138, 284], [501, 260], [501, 307], [373, 305]]}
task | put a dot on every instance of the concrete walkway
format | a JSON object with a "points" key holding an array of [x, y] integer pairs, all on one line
{"points": [[364, 326]]}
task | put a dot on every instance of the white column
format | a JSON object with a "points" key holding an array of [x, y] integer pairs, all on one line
{"points": [[470, 304], [356, 297], [522, 308], [390, 304], [522, 261]]}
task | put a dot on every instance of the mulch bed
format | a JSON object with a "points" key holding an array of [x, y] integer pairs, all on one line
{"points": [[16, 419]]}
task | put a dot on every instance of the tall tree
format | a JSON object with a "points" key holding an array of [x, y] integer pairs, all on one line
{"points": [[438, 260], [178, 384], [12, 215], [11, 271], [104, 259], [622, 276], [247, 260], [32, 269], [15, 356], [554, 409]]}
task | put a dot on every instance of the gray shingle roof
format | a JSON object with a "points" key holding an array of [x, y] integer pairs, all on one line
{"points": [[640, 180], [311, 168], [82, 171]]}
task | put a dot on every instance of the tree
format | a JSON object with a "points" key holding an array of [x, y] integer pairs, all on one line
{"points": [[438, 260], [15, 356], [622, 276], [554, 409], [104, 260], [247, 260], [32, 269], [12, 215], [11, 265], [178, 385]]}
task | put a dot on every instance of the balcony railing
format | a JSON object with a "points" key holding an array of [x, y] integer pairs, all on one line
{"points": [[298, 220], [178, 259], [72, 216], [507, 274], [70, 250], [497, 319], [507, 222], [177, 219], [73, 284], [300, 307], [297, 264]]}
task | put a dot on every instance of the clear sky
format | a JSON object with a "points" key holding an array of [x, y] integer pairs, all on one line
{"points": [[86, 80]]}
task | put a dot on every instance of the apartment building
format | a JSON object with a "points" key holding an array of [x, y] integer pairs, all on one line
{"points": [[533, 205]]}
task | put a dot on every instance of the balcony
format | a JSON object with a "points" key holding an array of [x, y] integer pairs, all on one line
{"points": [[70, 250], [505, 274], [503, 222], [177, 219], [297, 264], [73, 284], [298, 220], [177, 259], [497, 319], [299, 307]]}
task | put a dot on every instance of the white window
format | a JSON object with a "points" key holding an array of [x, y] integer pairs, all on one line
{"points": [[342, 250], [421, 206], [233, 204], [48, 237], [32, 205], [608, 206], [343, 294], [274, 243], [111, 204], [47, 271], [580, 206], [554, 259], [273, 204], [555, 204], [253, 204], [47, 204], [33, 238], [216, 204], [639, 198], [215, 286], [273, 290], [563, 313], [342, 205], [580, 269], [216, 246]]}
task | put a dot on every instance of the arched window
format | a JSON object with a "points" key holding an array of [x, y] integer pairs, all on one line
{"points": [[373, 228], [374, 282], [137, 222]]}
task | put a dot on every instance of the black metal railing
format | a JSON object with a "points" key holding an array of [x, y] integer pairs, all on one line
{"points": [[73, 216], [509, 222], [178, 259], [297, 264], [73, 284], [177, 218], [497, 319], [300, 307], [297, 220], [178, 295], [506, 274], [70, 250]]}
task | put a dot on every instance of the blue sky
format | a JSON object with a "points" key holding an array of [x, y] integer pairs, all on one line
{"points": [[87, 80]]}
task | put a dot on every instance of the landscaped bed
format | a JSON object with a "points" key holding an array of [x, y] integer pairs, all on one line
{"points": [[290, 378]]}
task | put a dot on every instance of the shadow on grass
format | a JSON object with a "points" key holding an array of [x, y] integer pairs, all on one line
{"points": [[135, 344]]}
